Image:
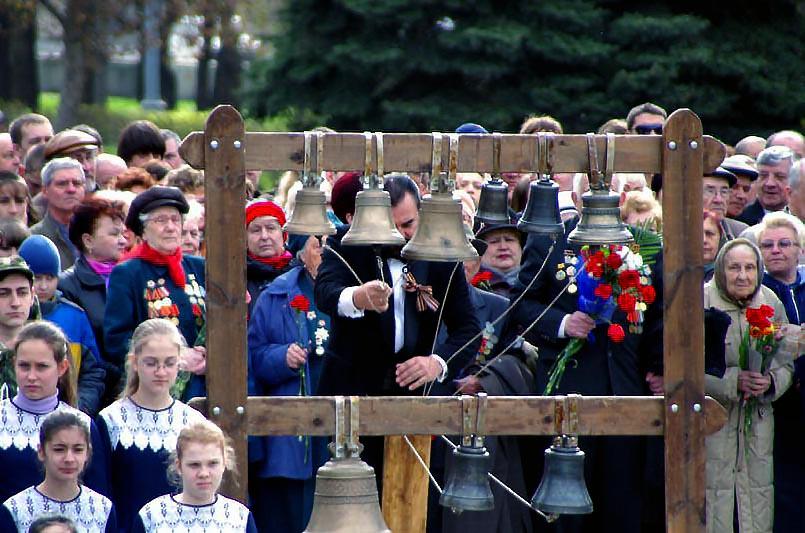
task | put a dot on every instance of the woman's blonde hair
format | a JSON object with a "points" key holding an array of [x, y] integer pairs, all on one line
{"points": [[144, 333], [54, 337], [203, 432], [642, 202], [779, 219]]}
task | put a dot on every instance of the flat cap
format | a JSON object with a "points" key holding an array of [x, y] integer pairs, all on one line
{"points": [[68, 141], [739, 165], [723, 173]]}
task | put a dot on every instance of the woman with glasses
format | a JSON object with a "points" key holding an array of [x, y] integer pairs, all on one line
{"points": [[266, 256], [139, 431], [157, 281]]}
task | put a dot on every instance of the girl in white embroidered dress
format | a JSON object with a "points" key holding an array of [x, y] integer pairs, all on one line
{"points": [[203, 455], [140, 429], [64, 451]]}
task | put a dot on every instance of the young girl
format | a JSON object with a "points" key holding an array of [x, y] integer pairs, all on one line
{"points": [[42, 373], [202, 456], [139, 431], [64, 451]]}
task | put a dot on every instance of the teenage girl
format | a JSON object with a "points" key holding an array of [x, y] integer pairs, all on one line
{"points": [[140, 429], [202, 456], [42, 371], [64, 451]]}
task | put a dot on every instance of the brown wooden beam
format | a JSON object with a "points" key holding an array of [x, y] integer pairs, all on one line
{"points": [[411, 152], [226, 281], [683, 323], [505, 415]]}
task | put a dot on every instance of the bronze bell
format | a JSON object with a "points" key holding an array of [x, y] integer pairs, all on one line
{"points": [[541, 213], [600, 221], [345, 500], [562, 489], [467, 487], [440, 234], [493, 206], [373, 223], [309, 216]]}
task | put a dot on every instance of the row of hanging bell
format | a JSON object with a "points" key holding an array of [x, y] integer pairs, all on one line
{"points": [[467, 487], [562, 489]]}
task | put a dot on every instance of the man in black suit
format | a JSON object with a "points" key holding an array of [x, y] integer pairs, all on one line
{"points": [[613, 466], [380, 344], [773, 166]]}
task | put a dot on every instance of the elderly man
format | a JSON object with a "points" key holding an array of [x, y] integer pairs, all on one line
{"points": [[172, 142], [780, 237], [789, 138], [750, 145], [9, 159], [108, 167], [77, 145], [741, 193], [796, 198], [773, 165], [64, 186], [716, 188], [28, 130]]}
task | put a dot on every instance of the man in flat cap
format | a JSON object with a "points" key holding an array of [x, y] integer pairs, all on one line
{"points": [[716, 190], [77, 145]]}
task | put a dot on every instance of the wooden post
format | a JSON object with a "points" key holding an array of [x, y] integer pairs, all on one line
{"points": [[405, 484], [225, 194], [683, 323]]}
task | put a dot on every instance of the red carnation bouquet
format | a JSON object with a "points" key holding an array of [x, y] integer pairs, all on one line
{"points": [[758, 345], [301, 305], [610, 277], [481, 280]]}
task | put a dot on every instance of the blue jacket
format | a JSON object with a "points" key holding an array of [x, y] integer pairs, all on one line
{"points": [[792, 296], [273, 326]]}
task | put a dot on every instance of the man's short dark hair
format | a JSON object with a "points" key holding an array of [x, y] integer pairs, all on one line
{"points": [[648, 107], [140, 137], [398, 185], [39, 525], [15, 129]]}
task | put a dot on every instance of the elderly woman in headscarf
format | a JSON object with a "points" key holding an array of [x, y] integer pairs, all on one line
{"points": [[739, 455], [266, 256]]}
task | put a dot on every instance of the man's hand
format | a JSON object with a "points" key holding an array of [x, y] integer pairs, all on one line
{"points": [[469, 385], [753, 383], [656, 383], [194, 360], [578, 325], [417, 371], [295, 356], [372, 296]]}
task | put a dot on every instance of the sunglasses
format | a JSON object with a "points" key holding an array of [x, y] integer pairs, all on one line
{"points": [[648, 129]]}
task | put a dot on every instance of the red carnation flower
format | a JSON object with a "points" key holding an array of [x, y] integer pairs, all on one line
{"points": [[614, 261], [603, 291], [767, 310], [649, 294], [626, 302], [615, 333], [481, 277], [300, 303], [759, 317], [628, 279]]}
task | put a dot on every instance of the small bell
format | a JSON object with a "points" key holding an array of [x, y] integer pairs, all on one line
{"points": [[440, 235], [309, 216], [373, 224], [541, 213], [563, 489], [345, 499], [493, 206], [467, 487], [600, 221]]}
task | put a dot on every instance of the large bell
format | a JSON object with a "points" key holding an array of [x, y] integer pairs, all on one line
{"points": [[440, 234], [373, 223], [493, 206], [467, 487], [309, 216], [541, 213], [562, 489], [345, 500], [600, 221]]}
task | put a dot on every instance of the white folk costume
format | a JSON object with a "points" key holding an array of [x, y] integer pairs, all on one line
{"points": [[91, 512], [166, 515]]}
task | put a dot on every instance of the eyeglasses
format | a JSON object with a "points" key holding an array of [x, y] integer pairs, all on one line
{"points": [[712, 191], [648, 129], [782, 244], [163, 220]]}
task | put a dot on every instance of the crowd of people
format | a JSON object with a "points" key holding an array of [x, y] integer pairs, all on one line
{"points": [[103, 313]]}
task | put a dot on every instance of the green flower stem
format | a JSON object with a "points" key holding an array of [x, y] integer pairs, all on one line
{"points": [[558, 368]]}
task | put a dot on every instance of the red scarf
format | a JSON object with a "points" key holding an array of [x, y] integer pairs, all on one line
{"points": [[172, 261], [279, 262]]}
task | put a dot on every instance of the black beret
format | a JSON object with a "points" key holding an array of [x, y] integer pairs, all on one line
{"points": [[150, 199]]}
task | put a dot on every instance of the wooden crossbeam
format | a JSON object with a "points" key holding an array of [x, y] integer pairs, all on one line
{"points": [[505, 415], [411, 152]]}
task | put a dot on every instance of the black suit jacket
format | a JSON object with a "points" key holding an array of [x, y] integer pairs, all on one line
{"points": [[360, 357], [752, 214], [602, 367]]}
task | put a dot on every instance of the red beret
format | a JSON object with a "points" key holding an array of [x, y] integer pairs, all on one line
{"points": [[264, 208]]}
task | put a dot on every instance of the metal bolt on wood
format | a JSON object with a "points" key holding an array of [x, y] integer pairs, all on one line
{"points": [[240, 410], [671, 145], [216, 410], [693, 145], [674, 408], [214, 144], [237, 145], [697, 407]]}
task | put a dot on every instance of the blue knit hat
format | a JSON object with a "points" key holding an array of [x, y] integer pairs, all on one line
{"points": [[471, 127], [41, 255]]}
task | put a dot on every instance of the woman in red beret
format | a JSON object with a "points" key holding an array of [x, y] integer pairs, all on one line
{"points": [[267, 257]]}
